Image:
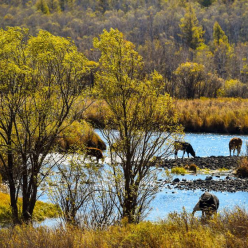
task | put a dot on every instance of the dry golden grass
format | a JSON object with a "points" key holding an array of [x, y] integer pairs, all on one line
{"points": [[177, 231], [224, 115]]}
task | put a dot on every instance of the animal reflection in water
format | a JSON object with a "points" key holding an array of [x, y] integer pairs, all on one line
{"points": [[208, 204], [235, 144], [185, 147]]}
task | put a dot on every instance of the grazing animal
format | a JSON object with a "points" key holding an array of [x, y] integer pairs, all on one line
{"points": [[208, 204], [235, 144], [185, 147], [94, 152]]}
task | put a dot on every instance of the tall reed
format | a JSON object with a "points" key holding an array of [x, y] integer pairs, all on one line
{"points": [[223, 115]]}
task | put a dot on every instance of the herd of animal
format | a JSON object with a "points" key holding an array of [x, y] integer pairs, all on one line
{"points": [[234, 144], [208, 203]]}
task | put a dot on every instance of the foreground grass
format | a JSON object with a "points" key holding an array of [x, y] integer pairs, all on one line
{"points": [[223, 115], [42, 210], [178, 230]]}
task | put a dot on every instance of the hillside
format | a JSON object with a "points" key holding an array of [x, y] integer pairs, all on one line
{"points": [[160, 29]]}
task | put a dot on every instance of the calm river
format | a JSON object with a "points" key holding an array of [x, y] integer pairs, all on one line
{"points": [[204, 144], [170, 200]]}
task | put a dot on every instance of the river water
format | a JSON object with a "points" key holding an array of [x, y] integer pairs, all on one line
{"points": [[205, 145], [170, 200]]}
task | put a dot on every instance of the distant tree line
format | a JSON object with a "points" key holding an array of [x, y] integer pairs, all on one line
{"points": [[203, 39]]}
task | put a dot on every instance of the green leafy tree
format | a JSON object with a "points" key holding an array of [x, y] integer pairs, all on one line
{"points": [[41, 79], [141, 124], [192, 32]]}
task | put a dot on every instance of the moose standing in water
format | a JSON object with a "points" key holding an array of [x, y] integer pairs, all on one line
{"points": [[185, 147], [208, 204], [235, 144]]}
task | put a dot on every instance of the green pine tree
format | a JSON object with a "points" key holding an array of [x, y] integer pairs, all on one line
{"points": [[192, 32], [219, 35], [42, 6]]}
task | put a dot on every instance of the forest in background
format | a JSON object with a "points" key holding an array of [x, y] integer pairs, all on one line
{"points": [[199, 46]]}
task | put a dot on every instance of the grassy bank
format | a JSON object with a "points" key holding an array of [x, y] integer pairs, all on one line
{"points": [[178, 230], [42, 210], [222, 115]]}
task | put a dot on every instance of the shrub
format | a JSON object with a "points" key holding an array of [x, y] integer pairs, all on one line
{"points": [[178, 170], [242, 170], [191, 167]]}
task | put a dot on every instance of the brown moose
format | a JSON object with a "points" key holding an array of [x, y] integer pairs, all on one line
{"points": [[208, 204], [94, 152], [185, 147], [235, 144]]}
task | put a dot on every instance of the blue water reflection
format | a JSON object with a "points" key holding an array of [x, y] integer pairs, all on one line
{"points": [[174, 200], [208, 144], [204, 144], [213, 144], [170, 200]]}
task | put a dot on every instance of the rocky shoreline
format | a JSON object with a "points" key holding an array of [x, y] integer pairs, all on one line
{"points": [[212, 163], [212, 182], [222, 185]]}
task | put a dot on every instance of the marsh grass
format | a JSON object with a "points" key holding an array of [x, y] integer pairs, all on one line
{"points": [[179, 230], [223, 115]]}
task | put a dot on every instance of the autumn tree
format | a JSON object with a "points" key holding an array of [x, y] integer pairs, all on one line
{"points": [[190, 76], [41, 79], [192, 32], [141, 124]]}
